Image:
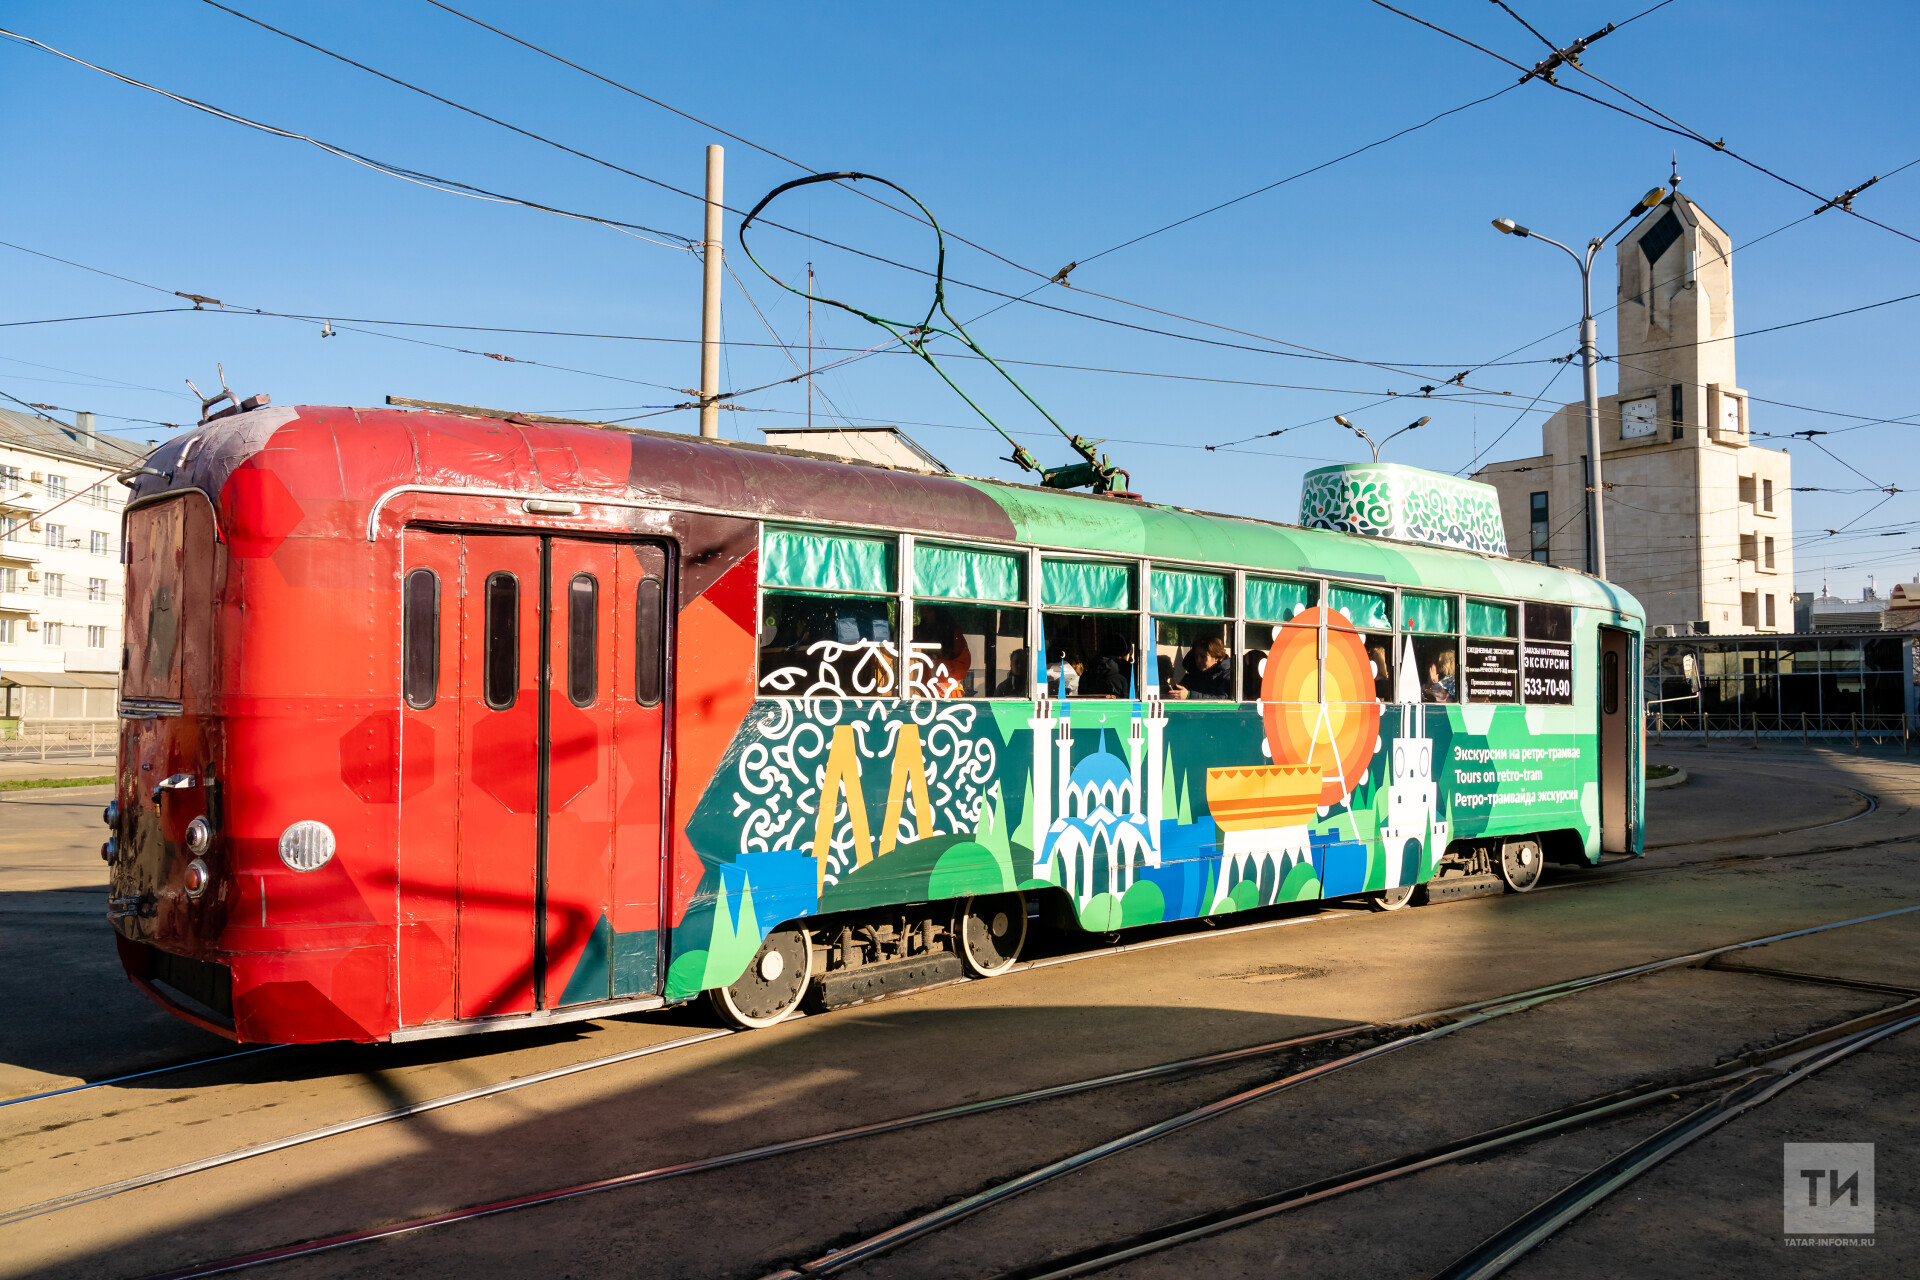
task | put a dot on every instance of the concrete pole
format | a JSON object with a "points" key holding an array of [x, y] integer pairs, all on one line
{"points": [[710, 295], [1590, 373]]}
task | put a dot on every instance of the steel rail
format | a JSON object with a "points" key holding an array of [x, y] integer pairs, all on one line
{"points": [[1607, 1106], [1503, 1004], [900, 1234]]}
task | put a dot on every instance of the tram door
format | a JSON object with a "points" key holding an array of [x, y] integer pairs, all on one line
{"points": [[1616, 709], [532, 773]]}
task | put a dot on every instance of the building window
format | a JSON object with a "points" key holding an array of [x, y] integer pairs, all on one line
{"points": [[96, 589], [97, 636], [1766, 495], [1749, 547], [1749, 609], [1746, 490], [97, 543], [50, 633], [10, 474], [54, 584], [1770, 614], [1769, 561], [9, 580], [1679, 410], [56, 535], [56, 486], [6, 630], [1542, 531], [98, 496]]}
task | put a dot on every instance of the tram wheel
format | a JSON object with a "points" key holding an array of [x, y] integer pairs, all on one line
{"points": [[773, 985], [1392, 899], [989, 932], [1521, 864]]}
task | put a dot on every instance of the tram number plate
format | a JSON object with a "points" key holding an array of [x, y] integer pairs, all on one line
{"points": [[1547, 675], [1493, 671]]}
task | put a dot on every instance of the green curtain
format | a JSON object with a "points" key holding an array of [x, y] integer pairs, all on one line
{"points": [[1370, 610], [1484, 619], [956, 573], [1433, 615], [1083, 584], [1193, 595], [1270, 600], [823, 562]]}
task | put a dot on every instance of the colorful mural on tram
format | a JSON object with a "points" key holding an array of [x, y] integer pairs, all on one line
{"points": [[437, 722]]}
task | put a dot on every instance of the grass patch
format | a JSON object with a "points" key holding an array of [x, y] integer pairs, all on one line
{"points": [[1661, 771], [34, 784]]}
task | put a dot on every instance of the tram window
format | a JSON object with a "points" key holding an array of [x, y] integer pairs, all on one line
{"points": [[1547, 621], [820, 646], [1610, 684], [649, 639], [420, 638], [1195, 659], [1271, 601], [1379, 646], [583, 635], [503, 640], [1090, 655], [968, 651], [1436, 660]]}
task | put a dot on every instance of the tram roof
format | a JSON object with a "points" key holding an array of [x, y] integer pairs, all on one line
{"points": [[337, 463]]}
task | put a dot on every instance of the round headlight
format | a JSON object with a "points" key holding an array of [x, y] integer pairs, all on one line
{"points": [[110, 851], [197, 878], [306, 846], [199, 834], [111, 814]]}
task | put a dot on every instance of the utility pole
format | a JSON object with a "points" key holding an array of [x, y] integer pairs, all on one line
{"points": [[809, 346], [710, 296], [1589, 367]]}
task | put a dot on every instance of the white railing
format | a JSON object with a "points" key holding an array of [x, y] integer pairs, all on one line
{"points": [[62, 740]]}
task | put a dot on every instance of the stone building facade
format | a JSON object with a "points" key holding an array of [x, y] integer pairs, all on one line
{"points": [[61, 577], [1699, 520]]}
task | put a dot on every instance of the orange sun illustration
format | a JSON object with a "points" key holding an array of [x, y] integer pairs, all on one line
{"points": [[1339, 731]]}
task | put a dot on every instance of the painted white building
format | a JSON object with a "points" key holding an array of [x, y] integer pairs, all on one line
{"points": [[61, 577]]}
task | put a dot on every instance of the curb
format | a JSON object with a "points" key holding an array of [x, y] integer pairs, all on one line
{"points": [[1676, 779]]}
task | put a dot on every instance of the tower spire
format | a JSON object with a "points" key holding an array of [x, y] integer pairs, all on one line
{"points": [[1674, 181]]}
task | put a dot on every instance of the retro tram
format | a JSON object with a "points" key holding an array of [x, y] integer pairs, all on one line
{"points": [[438, 722]]}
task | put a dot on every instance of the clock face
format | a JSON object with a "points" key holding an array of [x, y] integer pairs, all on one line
{"points": [[1638, 418]]}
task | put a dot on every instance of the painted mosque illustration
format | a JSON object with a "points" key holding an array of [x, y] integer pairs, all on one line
{"points": [[1102, 832]]}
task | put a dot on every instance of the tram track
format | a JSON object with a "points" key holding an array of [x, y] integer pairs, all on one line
{"points": [[1415, 1029]]}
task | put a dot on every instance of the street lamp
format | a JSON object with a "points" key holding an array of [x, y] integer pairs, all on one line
{"points": [[1589, 359], [1342, 420]]}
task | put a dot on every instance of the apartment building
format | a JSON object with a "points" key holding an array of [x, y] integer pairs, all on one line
{"points": [[61, 576]]}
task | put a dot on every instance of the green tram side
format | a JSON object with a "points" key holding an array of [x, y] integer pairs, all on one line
{"points": [[1225, 714]]}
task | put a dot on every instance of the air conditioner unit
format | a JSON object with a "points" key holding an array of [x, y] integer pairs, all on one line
{"points": [[33, 526], [33, 624], [1665, 631], [33, 575], [35, 477]]}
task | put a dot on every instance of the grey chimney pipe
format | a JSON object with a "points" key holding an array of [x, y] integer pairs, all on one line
{"points": [[83, 423]]}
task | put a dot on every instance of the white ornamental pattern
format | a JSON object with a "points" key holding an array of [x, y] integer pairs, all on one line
{"points": [[779, 772]]}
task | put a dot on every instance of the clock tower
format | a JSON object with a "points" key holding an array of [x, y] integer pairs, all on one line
{"points": [[1699, 519]]}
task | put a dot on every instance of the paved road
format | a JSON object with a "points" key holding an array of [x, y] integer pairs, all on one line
{"points": [[1713, 1210]]}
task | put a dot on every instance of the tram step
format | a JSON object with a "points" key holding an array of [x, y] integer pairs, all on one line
{"points": [[1453, 888], [869, 982]]}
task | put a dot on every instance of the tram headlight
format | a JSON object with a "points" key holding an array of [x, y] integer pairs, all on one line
{"points": [[111, 814], [306, 846], [197, 878], [199, 835]]}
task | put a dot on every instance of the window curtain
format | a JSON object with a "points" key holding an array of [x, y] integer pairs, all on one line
{"points": [[1369, 610], [1080, 584], [823, 562], [956, 573], [1433, 615], [1485, 619], [1193, 595], [1270, 600]]}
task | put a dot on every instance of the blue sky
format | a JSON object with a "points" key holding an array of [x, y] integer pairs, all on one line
{"points": [[1045, 134]]}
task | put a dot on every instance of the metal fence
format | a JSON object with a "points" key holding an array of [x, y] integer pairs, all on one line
{"points": [[63, 740], [1684, 721]]}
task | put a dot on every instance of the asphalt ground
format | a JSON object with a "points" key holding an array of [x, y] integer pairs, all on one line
{"points": [[1719, 872]]}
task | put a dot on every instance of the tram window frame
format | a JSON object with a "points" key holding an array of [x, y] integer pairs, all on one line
{"points": [[420, 641], [869, 596], [1179, 629], [649, 641], [1474, 633], [1002, 621], [1546, 629], [583, 640], [1106, 625], [500, 658], [1435, 650], [1258, 632]]}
